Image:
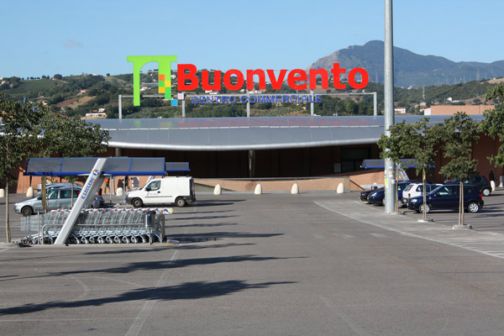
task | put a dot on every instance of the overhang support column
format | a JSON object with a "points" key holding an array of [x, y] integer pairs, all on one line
{"points": [[251, 163]]}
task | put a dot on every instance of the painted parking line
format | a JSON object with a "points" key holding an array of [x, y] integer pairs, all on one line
{"points": [[144, 313]]}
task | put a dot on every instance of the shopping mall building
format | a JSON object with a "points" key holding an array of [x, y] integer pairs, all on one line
{"points": [[238, 152]]}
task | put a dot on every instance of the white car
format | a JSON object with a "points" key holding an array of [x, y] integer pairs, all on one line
{"points": [[415, 190], [166, 190]]}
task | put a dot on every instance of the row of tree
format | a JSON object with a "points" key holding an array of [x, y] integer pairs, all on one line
{"points": [[453, 138], [31, 130]]}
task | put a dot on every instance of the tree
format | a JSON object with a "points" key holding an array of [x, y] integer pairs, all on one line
{"points": [[64, 136], [417, 141], [459, 132], [424, 150], [17, 142], [493, 124]]}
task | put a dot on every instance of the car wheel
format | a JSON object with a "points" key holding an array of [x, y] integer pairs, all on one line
{"points": [[473, 207], [27, 211], [180, 202], [137, 203], [486, 192], [427, 208]]}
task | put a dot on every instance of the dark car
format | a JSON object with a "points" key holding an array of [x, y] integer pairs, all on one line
{"points": [[446, 197], [364, 194], [377, 196], [478, 180]]}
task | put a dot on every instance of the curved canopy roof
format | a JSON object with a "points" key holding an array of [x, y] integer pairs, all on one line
{"points": [[237, 133]]}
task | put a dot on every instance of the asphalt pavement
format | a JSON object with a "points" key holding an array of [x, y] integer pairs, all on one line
{"points": [[257, 265]]}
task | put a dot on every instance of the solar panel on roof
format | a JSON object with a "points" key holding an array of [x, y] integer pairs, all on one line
{"points": [[177, 167], [115, 166]]}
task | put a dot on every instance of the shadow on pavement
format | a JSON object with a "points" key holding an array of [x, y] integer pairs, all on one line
{"points": [[168, 264], [202, 212], [185, 291], [201, 237], [199, 247], [202, 217], [216, 202], [199, 225], [121, 251]]}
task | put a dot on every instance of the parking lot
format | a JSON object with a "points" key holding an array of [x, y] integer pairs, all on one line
{"points": [[490, 218], [274, 264]]}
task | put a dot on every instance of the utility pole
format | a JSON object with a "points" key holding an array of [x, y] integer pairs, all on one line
{"points": [[119, 106], [389, 172]]}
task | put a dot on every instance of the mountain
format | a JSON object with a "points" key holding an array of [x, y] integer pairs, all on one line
{"points": [[410, 69]]}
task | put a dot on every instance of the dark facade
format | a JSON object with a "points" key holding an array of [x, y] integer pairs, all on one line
{"points": [[296, 162]]}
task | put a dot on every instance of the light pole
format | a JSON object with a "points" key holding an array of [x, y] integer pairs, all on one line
{"points": [[389, 172]]}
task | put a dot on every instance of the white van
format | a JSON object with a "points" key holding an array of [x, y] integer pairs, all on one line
{"points": [[166, 190]]}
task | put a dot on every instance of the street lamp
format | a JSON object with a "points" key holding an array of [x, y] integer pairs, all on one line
{"points": [[389, 172]]}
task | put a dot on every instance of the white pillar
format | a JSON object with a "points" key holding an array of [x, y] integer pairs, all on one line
{"points": [[29, 192], [119, 191], [295, 189], [217, 190], [258, 189]]}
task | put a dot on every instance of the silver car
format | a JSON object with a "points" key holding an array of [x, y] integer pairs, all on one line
{"points": [[57, 198]]}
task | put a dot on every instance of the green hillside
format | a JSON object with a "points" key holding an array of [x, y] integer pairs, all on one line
{"points": [[78, 95]]}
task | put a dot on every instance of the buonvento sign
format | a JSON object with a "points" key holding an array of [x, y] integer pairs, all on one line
{"points": [[236, 80]]}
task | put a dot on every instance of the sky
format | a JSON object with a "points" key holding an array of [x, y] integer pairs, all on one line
{"points": [[96, 36]]}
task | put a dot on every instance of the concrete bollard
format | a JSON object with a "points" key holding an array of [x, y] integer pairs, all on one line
{"points": [[501, 181], [258, 189], [492, 185], [29, 192], [119, 191], [217, 190], [2, 193], [340, 189], [295, 189]]}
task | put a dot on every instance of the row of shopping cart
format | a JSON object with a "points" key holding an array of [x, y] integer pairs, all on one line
{"points": [[104, 226]]}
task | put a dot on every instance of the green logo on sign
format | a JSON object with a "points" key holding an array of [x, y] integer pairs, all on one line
{"points": [[164, 74]]}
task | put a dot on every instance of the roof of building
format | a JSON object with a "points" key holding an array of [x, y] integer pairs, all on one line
{"points": [[467, 109], [237, 133]]}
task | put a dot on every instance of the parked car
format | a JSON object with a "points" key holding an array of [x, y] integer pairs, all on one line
{"points": [[446, 197], [57, 198], [58, 185], [415, 189], [378, 196], [365, 193], [167, 190], [478, 180]]}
